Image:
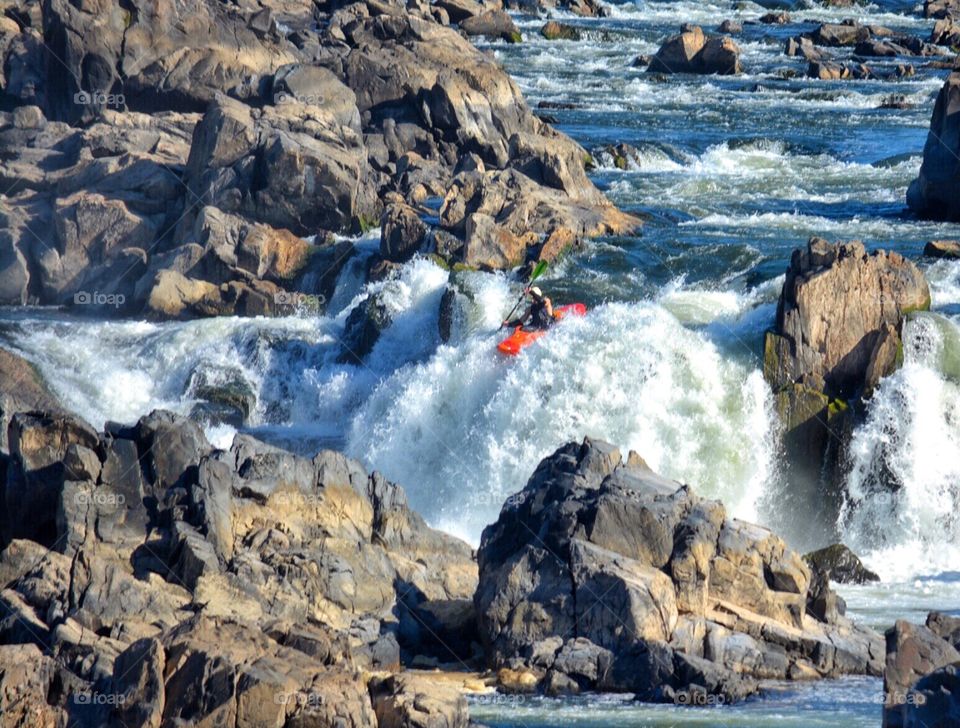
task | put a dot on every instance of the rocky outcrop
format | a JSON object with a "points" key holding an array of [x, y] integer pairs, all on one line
{"points": [[837, 334], [920, 679], [191, 584], [840, 564], [177, 168], [942, 249], [693, 52], [601, 574], [934, 193]]}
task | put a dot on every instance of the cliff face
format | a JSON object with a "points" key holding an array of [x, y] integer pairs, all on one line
{"points": [[128, 127]]}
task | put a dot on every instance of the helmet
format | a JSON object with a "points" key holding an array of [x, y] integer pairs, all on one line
{"points": [[536, 292]]}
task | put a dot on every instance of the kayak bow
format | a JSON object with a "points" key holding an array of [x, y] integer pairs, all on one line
{"points": [[522, 338]]}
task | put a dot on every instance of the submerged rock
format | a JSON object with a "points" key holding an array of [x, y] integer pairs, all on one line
{"points": [[602, 575]]}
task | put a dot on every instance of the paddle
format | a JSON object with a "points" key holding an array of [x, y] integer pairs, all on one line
{"points": [[537, 272]]}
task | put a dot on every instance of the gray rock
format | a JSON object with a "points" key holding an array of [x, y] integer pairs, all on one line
{"points": [[649, 574]]}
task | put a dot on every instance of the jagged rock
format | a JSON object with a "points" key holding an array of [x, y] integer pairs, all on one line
{"points": [[226, 580], [21, 389], [804, 47], [837, 334], [839, 34], [302, 169], [841, 565], [945, 33], [945, 626], [693, 52], [27, 680], [402, 233], [913, 651], [934, 193], [941, 9], [835, 302], [417, 701], [648, 573]]}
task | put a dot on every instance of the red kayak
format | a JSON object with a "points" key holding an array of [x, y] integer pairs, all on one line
{"points": [[522, 338]]}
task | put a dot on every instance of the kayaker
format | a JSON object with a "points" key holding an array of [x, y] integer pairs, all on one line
{"points": [[540, 313]]}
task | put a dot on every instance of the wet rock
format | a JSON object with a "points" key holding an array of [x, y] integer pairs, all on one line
{"points": [[804, 47], [841, 565], [730, 27], [492, 24], [402, 233], [693, 52], [945, 33], [913, 652], [941, 9], [934, 193], [363, 328], [648, 572], [934, 700], [839, 34], [778, 18], [559, 31], [830, 324], [942, 249], [837, 334]]}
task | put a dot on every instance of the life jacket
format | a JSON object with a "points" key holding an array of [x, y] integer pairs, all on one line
{"points": [[539, 318]]}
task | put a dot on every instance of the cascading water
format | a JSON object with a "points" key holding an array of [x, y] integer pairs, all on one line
{"points": [[902, 494]]}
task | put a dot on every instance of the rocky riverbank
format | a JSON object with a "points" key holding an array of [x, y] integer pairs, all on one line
{"points": [[171, 159]]}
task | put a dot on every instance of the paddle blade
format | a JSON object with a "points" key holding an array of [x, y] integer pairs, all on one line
{"points": [[538, 270]]}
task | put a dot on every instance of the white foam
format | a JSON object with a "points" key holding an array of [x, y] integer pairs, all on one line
{"points": [[466, 428], [901, 509]]}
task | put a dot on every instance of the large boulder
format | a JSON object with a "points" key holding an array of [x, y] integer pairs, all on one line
{"points": [[920, 668], [601, 574], [692, 52], [935, 192], [293, 165], [837, 334]]}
